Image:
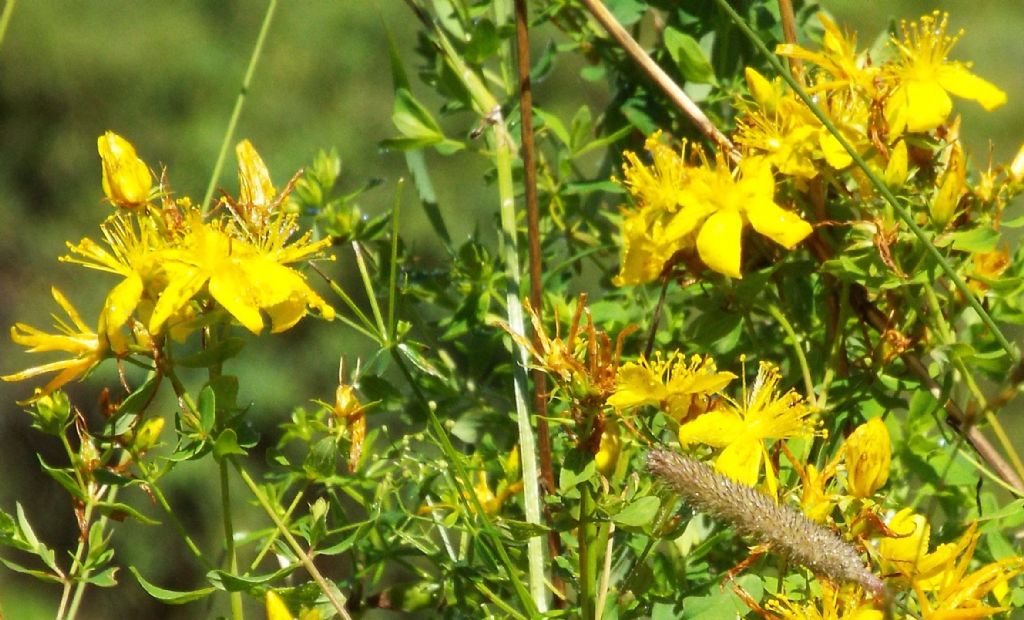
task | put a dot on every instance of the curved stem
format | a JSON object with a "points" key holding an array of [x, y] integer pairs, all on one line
{"points": [[257, 50], [336, 598], [797, 350]]}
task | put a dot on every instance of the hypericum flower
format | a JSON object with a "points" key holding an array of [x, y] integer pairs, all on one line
{"points": [[126, 178], [838, 58], [672, 384], [256, 191], [86, 347], [923, 78], [741, 428], [939, 578], [680, 207], [136, 252], [867, 453], [248, 280], [847, 603]]}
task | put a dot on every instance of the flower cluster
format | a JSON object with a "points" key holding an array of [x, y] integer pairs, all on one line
{"points": [[894, 114], [179, 269]]}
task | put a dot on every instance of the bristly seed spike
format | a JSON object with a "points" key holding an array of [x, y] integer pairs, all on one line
{"points": [[754, 514]]}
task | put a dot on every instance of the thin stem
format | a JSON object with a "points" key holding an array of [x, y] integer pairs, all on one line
{"points": [[462, 479], [229, 535], [805, 369], [529, 155], [5, 19], [149, 479], [393, 267], [236, 113], [789, 34], [268, 544], [658, 75], [877, 182], [586, 553], [336, 598], [370, 293], [73, 582], [606, 572]]}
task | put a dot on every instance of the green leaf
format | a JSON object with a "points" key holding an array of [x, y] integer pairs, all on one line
{"points": [[689, 57], [522, 530], [139, 399], [639, 512], [413, 120], [117, 511], [65, 479], [38, 574], [227, 443], [107, 578], [206, 406], [981, 239], [322, 460], [173, 597], [552, 122], [219, 353], [223, 580]]}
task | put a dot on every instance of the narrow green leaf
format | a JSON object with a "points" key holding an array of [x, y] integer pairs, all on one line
{"points": [[227, 443], [65, 479], [173, 597], [139, 399], [206, 405], [38, 574], [117, 511]]}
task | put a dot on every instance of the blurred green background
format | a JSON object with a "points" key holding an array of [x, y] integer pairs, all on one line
{"points": [[165, 76]]}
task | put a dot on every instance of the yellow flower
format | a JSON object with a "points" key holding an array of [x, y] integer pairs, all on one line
{"points": [[838, 58], [136, 252], [940, 580], [988, 266], [868, 454], [147, 436], [85, 346], [670, 383], [248, 280], [682, 206], [126, 178], [741, 428], [923, 78], [847, 603], [256, 191]]}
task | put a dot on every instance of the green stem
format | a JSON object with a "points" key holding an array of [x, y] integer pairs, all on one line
{"points": [[5, 19], [797, 350], [73, 582], [370, 294], [236, 113], [463, 480], [877, 182], [587, 556], [336, 598], [150, 480], [229, 535], [268, 544]]}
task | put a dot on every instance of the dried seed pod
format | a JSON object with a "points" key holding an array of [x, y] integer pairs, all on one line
{"points": [[754, 514]]}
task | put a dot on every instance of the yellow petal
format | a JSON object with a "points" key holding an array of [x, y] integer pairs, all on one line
{"points": [[955, 78], [928, 105], [276, 609], [714, 428], [741, 460], [719, 243], [232, 291], [781, 226]]}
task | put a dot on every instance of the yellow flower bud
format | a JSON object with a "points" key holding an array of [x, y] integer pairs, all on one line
{"points": [[255, 187], [148, 435], [126, 178], [607, 456], [951, 188], [1017, 167], [276, 609], [867, 454], [896, 169]]}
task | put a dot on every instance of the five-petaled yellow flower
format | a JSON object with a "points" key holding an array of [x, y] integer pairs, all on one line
{"points": [[923, 78], [741, 428], [673, 384], [681, 207]]}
